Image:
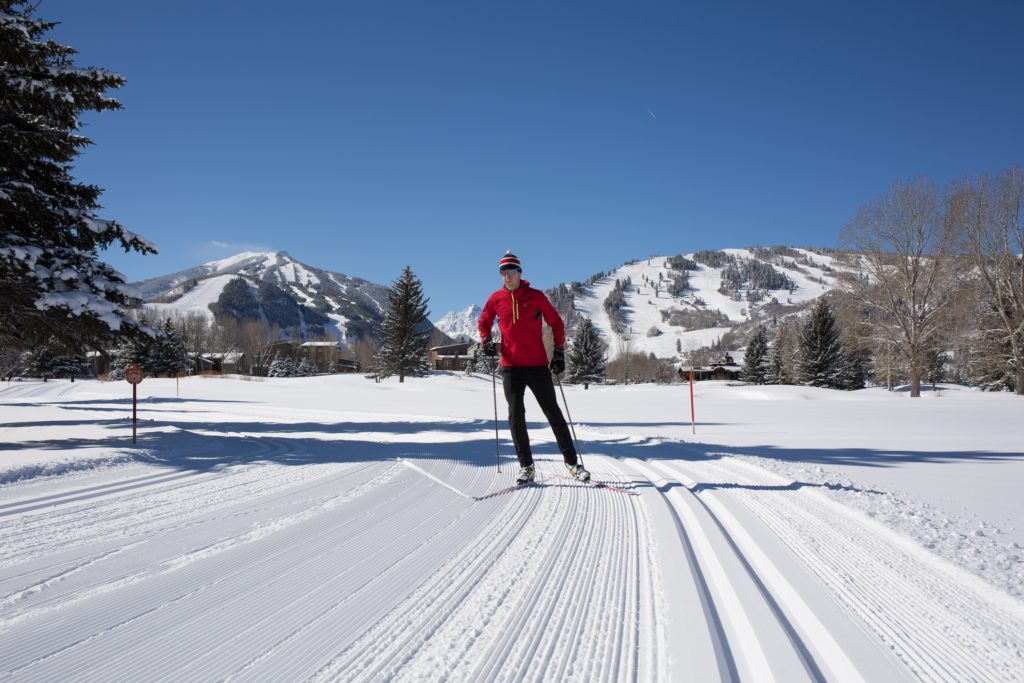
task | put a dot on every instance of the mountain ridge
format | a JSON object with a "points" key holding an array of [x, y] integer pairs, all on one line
{"points": [[274, 287]]}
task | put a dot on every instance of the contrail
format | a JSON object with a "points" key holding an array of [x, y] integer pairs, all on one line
{"points": [[650, 112]]}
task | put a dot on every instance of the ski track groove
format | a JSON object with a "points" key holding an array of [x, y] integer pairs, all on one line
{"points": [[308, 624], [97, 490], [464, 600], [170, 564], [208, 578], [724, 651], [724, 655], [217, 490], [780, 614], [35, 589], [507, 647], [349, 596], [906, 568], [301, 590], [741, 599], [436, 598], [554, 609], [918, 616]]}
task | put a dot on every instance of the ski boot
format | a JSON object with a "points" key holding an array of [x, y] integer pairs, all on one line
{"points": [[525, 475], [578, 473]]}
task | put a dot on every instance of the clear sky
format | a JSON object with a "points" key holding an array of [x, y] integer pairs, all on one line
{"points": [[365, 136]]}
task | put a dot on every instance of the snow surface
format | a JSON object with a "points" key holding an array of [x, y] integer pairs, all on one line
{"points": [[333, 528]]}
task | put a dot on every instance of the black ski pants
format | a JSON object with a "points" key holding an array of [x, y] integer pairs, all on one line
{"points": [[515, 380]]}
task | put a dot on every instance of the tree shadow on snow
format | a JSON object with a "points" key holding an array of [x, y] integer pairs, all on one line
{"points": [[666, 449], [203, 444]]}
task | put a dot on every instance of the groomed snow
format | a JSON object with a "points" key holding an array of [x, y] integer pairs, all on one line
{"points": [[333, 528], [198, 299]]}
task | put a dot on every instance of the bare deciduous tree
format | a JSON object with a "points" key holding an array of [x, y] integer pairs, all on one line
{"points": [[364, 351], [989, 213], [256, 339], [905, 239]]}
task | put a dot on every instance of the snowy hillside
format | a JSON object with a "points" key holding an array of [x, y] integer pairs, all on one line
{"points": [[335, 529], [660, 315], [274, 287], [655, 321], [461, 325]]}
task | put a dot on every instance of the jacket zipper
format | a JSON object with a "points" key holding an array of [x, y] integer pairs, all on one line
{"points": [[515, 307]]}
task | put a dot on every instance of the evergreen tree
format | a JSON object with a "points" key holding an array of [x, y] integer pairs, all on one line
{"points": [[52, 360], [167, 354], [133, 349], [755, 360], [776, 372], [405, 333], [53, 284], [305, 368], [934, 370], [854, 369], [991, 364], [586, 358], [820, 356], [280, 367]]}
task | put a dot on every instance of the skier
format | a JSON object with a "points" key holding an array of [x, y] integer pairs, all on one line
{"points": [[524, 362]]}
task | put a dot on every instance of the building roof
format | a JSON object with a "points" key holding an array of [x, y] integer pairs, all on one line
{"points": [[460, 349], [230, 357], [337, 344]]}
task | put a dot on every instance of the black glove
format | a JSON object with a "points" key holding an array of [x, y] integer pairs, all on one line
{"points": [[488, 347], [558, 361]]}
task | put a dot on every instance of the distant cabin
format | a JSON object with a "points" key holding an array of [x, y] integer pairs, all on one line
{"points": [[231, 363], [346, 365], [455, 357], [724, 369], [322, 354]]}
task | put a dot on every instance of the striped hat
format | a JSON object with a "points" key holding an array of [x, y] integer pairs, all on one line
{"points": [[508, 262]]}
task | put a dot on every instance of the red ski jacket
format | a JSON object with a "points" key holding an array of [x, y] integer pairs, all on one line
{"points": [[519, 319]]}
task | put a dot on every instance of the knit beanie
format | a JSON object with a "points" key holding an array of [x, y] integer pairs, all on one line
{"points": [[508, 262]]}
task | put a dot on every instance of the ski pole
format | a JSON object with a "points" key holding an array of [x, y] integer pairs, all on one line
{"points": [[494, 390], [575, 441]]}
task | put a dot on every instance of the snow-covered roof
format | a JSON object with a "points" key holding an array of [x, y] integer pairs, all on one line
{"points": [[232, 357]]}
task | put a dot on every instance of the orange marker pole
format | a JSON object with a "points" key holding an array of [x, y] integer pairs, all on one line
{"points": [[693, 421]]}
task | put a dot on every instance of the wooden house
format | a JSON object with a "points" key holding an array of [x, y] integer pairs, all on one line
{"points": [[451, 357], [322, 354]]}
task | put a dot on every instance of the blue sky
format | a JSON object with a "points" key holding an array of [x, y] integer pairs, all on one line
{"points": [[365, 136]]}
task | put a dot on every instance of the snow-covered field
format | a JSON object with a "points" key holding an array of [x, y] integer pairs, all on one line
{"points": [[333, 528]]}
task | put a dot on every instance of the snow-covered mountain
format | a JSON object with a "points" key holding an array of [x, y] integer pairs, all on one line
{"points": [[461, 325], [668, 305], [274, 287]]}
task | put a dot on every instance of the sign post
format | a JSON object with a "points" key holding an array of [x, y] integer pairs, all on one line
{"points": [[134, 375]]}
